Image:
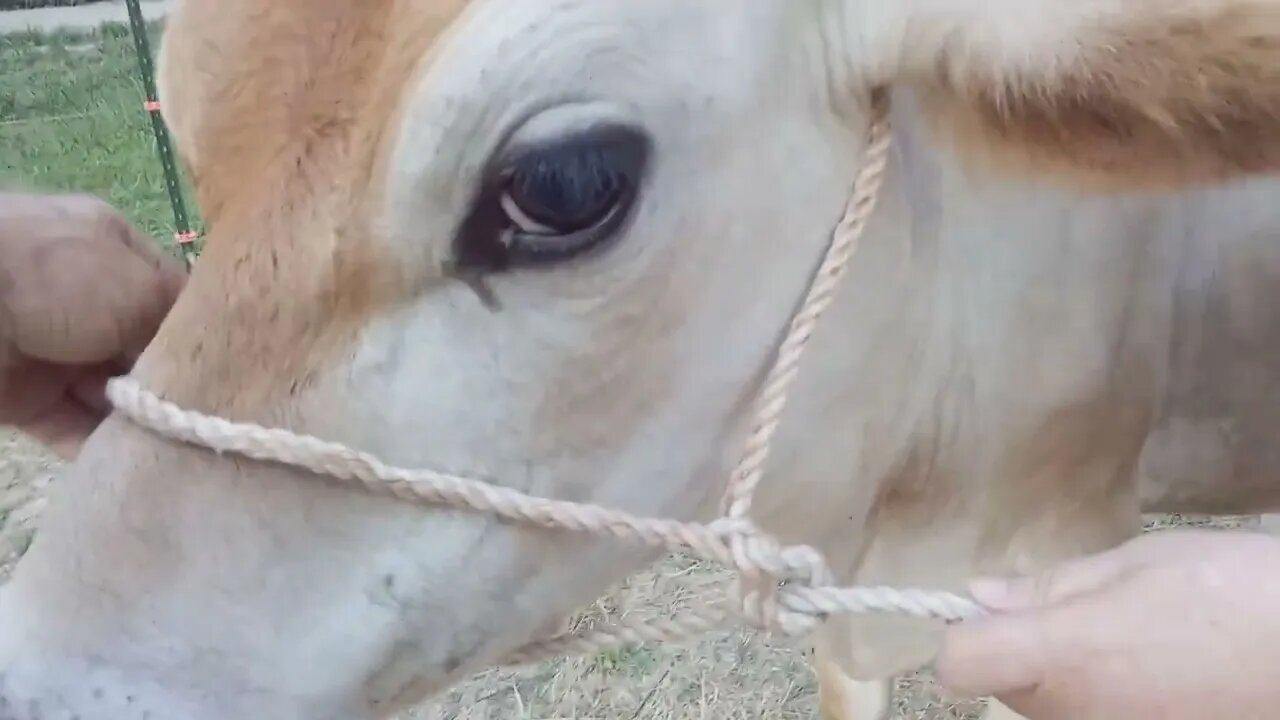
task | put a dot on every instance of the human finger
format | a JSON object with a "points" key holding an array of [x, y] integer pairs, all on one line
{"points": [[64, 427], [1059, 583], [993, 656], [1006, 652], [98, 305]]}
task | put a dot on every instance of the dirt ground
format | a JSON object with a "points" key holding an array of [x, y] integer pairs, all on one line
{"points": [[735, 676]]}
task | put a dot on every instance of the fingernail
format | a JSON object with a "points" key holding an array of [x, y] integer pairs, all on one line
{"points": [[995, 593], [1018, 593]]}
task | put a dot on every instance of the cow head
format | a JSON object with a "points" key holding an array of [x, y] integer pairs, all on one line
{"points": [[550, 243]]}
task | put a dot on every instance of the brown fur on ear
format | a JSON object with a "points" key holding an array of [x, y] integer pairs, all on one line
{"points": [[1156, 102]]}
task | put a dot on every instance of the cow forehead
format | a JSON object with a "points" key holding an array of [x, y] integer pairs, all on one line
{"points": [[249, 83], [281, 110]]}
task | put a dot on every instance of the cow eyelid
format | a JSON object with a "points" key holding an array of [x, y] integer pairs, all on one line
{"points": [[554, 200]]}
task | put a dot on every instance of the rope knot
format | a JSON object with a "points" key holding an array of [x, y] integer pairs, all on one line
{"points": [[765, 566]]}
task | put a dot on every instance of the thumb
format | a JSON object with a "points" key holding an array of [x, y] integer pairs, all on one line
{"points": [[1059, 584], [1006, 652], [993, 656]]}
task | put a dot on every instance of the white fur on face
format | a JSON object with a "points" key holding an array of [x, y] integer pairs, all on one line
{"points": [[620, 378]]}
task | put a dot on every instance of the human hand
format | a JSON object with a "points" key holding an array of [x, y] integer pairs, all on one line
{"points": [[81, 294], [1179, 625]]}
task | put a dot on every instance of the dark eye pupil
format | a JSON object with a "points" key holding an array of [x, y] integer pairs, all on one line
{"points": [[552, 201], [569, 187]]}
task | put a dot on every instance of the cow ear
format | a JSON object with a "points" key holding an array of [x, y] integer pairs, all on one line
{"points": [[1118, 93]]}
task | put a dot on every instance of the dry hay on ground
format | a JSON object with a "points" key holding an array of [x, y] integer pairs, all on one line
{"points": [[25, 472]]}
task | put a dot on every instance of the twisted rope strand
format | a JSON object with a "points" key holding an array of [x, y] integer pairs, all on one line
{"points": [[786, 367], [420, 487], [756, 591], [789, 589], [804, 604]]}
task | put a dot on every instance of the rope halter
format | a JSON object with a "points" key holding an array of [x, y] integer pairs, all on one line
{"points": [[786, 589]]}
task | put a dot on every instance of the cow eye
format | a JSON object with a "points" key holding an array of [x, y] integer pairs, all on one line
{"points": [[558, 198]]}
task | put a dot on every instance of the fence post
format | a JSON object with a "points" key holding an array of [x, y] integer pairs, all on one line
{"points": [[185, 236]]}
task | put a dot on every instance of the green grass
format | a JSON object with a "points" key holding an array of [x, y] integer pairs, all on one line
{"points": [[28, 4], [71, 119]]}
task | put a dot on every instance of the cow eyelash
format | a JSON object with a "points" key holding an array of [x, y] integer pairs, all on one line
{"points": [[555, 200]]}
